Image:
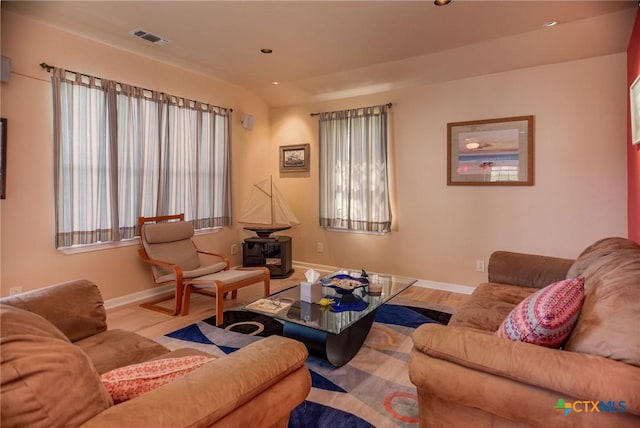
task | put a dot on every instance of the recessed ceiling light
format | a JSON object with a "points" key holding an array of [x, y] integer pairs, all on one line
{"points": [[266, 50], [550, 24], [441, 2], [275, 82]]}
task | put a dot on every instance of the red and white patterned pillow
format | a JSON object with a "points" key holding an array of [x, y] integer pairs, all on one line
{"points": [[546, 317], [128, 382]]}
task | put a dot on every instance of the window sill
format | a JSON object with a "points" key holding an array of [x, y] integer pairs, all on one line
{"points": [[362, 232], [127, 243]]}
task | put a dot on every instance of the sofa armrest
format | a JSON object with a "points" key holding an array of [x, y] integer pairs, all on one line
{"points": [[577, 375], [211, 394], [76, 308], [527, 270]]}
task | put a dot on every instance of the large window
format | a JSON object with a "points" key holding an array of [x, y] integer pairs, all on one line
{"points": [[354, 181], [122, 152]]}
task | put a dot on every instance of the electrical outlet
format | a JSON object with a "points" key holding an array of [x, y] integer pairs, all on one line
{"points": [[234, 249], [320, 247], [480, 265], [15, 290]]}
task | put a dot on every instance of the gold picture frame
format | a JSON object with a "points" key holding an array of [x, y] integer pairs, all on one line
{"points": [[294, 158], [491, 152], [3, 158]]}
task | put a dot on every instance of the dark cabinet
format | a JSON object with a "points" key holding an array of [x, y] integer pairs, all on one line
{"points": [[273, 252]]}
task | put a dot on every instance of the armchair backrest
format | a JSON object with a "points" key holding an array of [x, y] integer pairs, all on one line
{"points": [[170, 242], [76, 308]]}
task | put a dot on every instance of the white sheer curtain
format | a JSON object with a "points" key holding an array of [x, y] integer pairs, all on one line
{"points": [[122, 152], [354, 182]]}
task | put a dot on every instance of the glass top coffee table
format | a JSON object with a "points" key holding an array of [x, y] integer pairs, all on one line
{"points": [[335, 332]]}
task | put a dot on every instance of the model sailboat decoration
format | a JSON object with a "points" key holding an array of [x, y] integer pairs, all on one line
{"points": [[267, 211]]}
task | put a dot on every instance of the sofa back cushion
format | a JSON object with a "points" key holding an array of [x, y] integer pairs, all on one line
{"points": [[76, 308], [596, 251], [608, 323], [45, 380], [526, 270]]}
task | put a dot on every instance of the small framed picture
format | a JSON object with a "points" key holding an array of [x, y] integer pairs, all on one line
{"points": [[634, 99], [294, 158]]}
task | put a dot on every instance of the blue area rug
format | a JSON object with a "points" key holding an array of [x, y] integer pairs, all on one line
{"points": [[372, 390]]}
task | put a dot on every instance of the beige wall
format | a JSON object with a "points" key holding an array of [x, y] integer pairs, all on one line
{"points": [[440, 231], [27, 215], [580, 190]]}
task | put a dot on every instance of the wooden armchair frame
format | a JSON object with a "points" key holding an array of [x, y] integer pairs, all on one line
{"points": [[179, 281]]}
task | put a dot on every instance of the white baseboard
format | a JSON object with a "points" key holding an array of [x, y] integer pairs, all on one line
{"points": [[304, 265], [138, 296], [444, 286], [157, 291]]}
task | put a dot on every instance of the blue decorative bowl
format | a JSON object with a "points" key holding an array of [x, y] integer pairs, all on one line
{"points": [[334, 282]]}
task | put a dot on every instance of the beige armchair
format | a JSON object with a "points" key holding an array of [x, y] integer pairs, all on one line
{"points": [[55, 345], [168, 247]]}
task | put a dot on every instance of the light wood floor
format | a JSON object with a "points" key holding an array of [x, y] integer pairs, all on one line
{"points": [[155, 324]]}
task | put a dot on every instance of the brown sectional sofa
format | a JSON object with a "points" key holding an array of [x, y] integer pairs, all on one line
{"points": [[54, 345], [468, 377]]}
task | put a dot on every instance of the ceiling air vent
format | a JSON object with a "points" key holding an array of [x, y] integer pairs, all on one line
{"points": [[150, 37]]}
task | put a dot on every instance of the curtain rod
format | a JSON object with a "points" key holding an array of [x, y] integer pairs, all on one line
{"points": [[48, 67], [318, 114]]}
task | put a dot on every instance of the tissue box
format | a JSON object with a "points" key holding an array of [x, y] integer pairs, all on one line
{"points": [[310, 292]]}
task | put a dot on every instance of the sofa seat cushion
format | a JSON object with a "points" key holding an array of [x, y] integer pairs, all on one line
{"points": [[46, 381], [128, 382], [546, 317], [610, 318], [117, 348], [489, 305]]}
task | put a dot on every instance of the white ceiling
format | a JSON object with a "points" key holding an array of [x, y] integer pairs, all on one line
{"points": [[334, 49]]}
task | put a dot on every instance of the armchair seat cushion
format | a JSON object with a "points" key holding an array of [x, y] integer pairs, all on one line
{"points": [[489, 306], [194, 273], [228, 276], [116, 348]]}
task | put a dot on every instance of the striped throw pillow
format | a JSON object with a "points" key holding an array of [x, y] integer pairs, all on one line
{"points": [[548, 316]]}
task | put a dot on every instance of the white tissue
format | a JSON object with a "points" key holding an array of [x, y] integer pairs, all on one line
{"points": [[312, 276]]}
